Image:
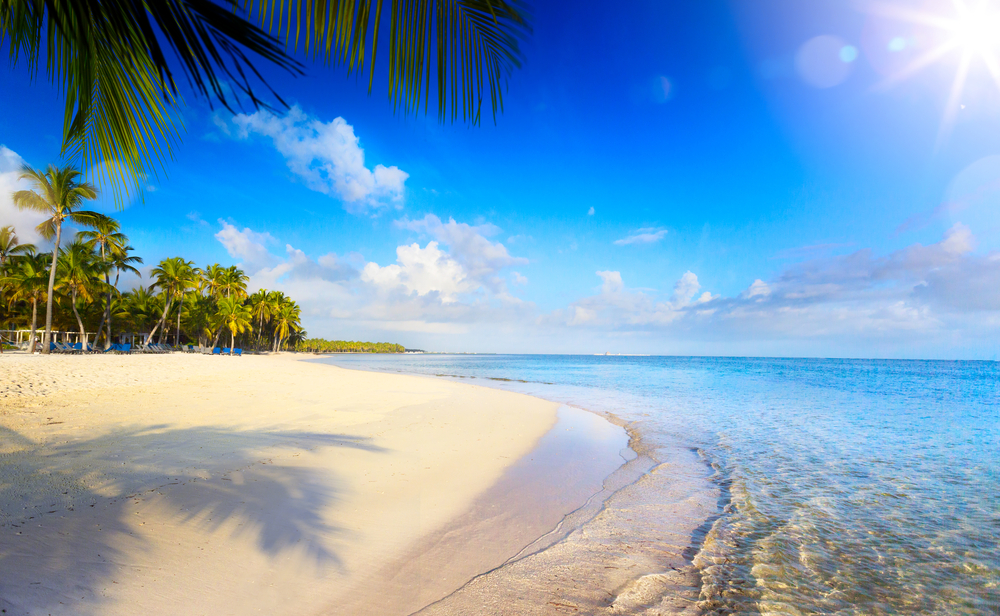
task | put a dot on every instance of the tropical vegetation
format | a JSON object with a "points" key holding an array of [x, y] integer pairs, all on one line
{"points": [[179, 304], [115, 61], [319, 345]]}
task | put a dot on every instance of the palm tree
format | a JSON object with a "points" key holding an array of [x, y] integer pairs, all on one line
{"points": [[120, 261], [235, 316], [141, 306], [121, 96], [234, 282], [10, 246], [107, 236], [286, 322], [260, 308], [79, 272], [27, 283], [173, 276], [213, 276], [199, 317], [61, 197]]}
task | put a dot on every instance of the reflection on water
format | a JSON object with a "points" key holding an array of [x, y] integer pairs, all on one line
{"points": [[854, 486]]}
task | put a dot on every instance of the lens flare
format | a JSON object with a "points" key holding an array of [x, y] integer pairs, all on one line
{"points": [[970, 30]]}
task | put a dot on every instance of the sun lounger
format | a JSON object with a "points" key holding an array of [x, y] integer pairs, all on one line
{"points": [[238, 352], [216, 351]]}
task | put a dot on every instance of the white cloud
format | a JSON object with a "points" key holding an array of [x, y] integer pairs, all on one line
{"points": [[758, 289], [24, 221], [328, 157], [480, 259], [590, 212], [248, 246], [647, 235], [421, 271], [943, 291], [447, 286], [518, 279], [443, 295], [612, 282]]}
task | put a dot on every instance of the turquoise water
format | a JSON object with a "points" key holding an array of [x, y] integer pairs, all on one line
{"points": [[849, 486]]}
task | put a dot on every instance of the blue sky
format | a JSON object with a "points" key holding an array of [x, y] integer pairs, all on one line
{"points": [[743, 177]]}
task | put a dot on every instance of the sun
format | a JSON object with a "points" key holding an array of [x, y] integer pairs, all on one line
{"points": [[970, 29]]}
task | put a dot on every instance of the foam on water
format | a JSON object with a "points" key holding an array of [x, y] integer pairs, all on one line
{"points": [[844, 486]]}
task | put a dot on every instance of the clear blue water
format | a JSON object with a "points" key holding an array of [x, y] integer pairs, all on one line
{"points": [[852, 486]]}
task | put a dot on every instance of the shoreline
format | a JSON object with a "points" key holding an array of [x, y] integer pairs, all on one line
{"points": [[664, 577], [469, 508]]}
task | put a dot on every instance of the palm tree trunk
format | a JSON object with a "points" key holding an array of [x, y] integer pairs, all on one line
{"points": [[79, 322], [118, 273], [232, 341], [34, 322], [52, 285], [163, 319], [180, 307], [106, 315]]}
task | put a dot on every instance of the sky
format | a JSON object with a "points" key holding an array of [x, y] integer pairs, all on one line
{"points": [[744, 177]]}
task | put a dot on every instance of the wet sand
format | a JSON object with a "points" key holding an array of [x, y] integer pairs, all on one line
{"points": [[189, 484]]}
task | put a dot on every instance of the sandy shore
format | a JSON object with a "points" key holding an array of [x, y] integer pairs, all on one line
{"points": [[172, 484]]}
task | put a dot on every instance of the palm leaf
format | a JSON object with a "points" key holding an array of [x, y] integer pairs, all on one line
{"points": [[121, 93], [471, 46], [122, 97]]}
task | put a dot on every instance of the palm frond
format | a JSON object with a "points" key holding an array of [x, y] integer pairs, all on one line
{"points": [[471, 46], [120, 89], [30, 200], [47, 229]]}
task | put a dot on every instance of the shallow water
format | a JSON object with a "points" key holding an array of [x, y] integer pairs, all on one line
{"points": [[850, 486]]}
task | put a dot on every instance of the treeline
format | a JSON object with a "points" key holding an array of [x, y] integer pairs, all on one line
{"points": [[74, 288], [320, 345]]}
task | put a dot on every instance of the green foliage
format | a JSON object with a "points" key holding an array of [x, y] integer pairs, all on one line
{"points": [[109, 57], [319, 345]]}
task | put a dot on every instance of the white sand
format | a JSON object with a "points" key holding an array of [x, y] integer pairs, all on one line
{"points": [[186, 484]]}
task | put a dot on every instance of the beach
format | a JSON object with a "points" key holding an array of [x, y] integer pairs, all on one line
{"points": [[179, 483]]}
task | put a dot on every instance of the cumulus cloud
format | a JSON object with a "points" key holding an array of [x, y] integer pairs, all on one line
{"points": [[446, 286], [646, 235], [24, 221], [328, 157], [247, 245], [942, 290], [421, 271], [590, 212], [479, 258]]}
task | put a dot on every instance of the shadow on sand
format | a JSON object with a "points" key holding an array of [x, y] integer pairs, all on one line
{"points": [[67, 506]]}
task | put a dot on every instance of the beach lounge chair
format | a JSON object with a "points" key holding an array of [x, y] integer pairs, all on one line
{"points": [[238, 352], [216, 351]]}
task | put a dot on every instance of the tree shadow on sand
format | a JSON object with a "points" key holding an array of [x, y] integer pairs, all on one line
{"points": [[67, 505]]}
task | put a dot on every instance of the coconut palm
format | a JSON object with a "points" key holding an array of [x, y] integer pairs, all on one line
{"points": [[27, 282], [234, 282], [234, 316], [260, 309], [60, 196], [213, 276], [79, 274], [10, 246], [141, 306], [106, 235], [286, 321], [121, 261], [121, 96], [173, 276], [199, 317]]}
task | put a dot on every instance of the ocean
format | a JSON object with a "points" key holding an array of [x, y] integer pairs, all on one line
{"points": [[846, 486]]}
